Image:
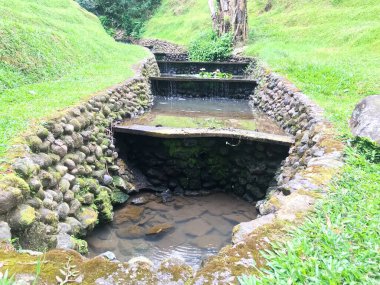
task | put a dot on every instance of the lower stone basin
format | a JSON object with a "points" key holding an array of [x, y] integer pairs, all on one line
{"points": [[191, 228]]}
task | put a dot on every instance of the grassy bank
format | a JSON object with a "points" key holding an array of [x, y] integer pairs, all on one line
{"points": [[179, 21], [53, 54], [330, 50]]}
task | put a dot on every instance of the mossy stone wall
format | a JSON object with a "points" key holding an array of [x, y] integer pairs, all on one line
{"points": [[68, 178]]}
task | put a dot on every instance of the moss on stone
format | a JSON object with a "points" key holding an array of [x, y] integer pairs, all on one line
{"points": [[104, 205], [27, 216], [80, 245], [243, 258], [13, 181], [88, 217]]}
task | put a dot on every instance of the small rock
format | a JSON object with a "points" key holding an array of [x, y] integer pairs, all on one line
{"points": [[197, 227], [63, 210], [128, 213], [108, 255], [167, 196], [131, 232], [107, 180], [139, 200], [5, 231], [64, 241], [158, 229]]}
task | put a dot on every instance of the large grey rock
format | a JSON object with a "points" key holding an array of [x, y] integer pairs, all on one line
{"points": [[365, 120], [9, 198]]}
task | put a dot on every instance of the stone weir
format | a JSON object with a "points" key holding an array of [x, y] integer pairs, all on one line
{"points": [[188, 161], [191, 86]]}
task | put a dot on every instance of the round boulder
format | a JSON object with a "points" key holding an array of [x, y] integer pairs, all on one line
{"points": [[365, 119]]}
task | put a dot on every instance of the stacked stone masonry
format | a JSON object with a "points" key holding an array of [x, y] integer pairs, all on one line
{"points": [[313, 160], [204, 165], [70, 177]]}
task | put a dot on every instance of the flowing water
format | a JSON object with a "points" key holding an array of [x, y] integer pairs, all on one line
{"points": [[192, 228], [206, 113]]}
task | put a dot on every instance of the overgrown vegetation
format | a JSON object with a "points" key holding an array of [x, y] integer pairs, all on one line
{"points": [[127, 15], [210, 47], [53, 54]]}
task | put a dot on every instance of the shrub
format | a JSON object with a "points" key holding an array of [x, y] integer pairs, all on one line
{"points": [[210, 47], [128, 15]]}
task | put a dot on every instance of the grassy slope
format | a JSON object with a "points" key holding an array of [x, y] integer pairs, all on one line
{"points": [[179, 21], [53, 54], [329, 49]]}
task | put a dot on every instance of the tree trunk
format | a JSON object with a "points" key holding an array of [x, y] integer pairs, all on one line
{"points": [[231, 16]]}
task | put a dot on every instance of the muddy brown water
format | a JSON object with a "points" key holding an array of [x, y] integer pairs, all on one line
{"points": [[192, 228]]}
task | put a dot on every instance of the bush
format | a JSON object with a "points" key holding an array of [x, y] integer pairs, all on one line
{"points": [[210, 47], [128, 15]]}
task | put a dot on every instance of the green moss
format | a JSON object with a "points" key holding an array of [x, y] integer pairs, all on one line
{"points": [[104, 205], [13, 181], [119, 197], [88, 216], [27, 216], [80, 245]]}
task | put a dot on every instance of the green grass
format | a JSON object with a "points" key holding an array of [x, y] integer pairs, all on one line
{"points": [[340, 243], [53, 54], [179, 21], [330, 51]]}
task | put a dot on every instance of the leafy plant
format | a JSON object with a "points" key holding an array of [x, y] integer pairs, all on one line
{"points": [[68, 273], [215, 74], [5, 279], [210, 47]]}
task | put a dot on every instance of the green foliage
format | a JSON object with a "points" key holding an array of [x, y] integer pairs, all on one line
{"points": [[339, 243], [5, 279], [128, 15], [367, 148], [52, 55], [210, 47], [119, 197], [80, 245], [215, 74]]}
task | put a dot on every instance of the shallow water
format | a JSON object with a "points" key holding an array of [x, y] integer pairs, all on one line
{"points": [[199, 227], [206, 113]]}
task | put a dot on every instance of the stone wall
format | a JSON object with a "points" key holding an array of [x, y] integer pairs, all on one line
{"points": [[205, 88], [70, 176], [203, 165], [313, 160]]}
